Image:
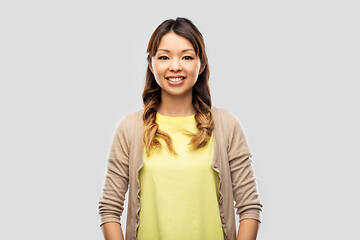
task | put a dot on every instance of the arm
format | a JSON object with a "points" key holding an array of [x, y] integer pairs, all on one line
{"points": [[248, 229], [246, 196], [115, 187], [112, 231]]}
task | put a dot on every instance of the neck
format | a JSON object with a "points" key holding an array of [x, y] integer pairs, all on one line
{"points": [[176, 106]]}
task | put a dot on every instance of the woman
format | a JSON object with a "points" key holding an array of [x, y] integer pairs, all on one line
{"points": [[185, 161]]}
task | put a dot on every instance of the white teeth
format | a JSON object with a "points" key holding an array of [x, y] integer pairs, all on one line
{"points": [[175, 79]]}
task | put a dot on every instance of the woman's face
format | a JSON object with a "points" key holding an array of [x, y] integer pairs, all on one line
{"points": [[175, 60]]}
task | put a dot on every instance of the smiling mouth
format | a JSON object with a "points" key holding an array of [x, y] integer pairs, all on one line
{"points": [[176, 79]]}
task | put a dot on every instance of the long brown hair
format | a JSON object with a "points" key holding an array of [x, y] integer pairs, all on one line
{"points": [[201, 99]]}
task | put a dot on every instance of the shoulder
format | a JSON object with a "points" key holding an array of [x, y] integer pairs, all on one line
{"points": [[134, 116], [229, 124], [129, 120], [225, 116]]}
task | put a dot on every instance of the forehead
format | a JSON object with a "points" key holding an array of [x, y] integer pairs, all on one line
{"points": [[171, 42]]}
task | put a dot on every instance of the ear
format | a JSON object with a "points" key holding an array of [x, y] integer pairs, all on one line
{"points": [[150, 67], [202, 68]]}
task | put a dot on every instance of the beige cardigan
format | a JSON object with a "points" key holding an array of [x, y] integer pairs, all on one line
{"points": [[232, 161]]}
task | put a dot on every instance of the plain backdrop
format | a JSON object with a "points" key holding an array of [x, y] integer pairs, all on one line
{"points": [[70, 70]]}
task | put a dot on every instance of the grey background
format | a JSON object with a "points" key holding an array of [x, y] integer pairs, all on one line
{"points": [[289, 70]]}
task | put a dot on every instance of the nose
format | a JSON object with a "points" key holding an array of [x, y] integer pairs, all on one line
{"points": [[175, 66]]}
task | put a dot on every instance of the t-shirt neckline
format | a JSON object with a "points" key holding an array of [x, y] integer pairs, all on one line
{"points": [[174, 119]]}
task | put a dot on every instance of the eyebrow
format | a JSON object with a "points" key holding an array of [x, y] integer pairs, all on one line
{"points": [[185, 50]]}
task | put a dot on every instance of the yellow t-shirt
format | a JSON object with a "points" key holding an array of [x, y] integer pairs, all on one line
{"points": [[179, 194]]}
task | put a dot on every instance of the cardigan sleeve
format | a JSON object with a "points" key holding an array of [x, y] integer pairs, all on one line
{"points": [[111, 201], [246, 195]]}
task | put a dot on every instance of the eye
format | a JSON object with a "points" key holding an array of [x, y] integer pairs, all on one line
{"points": [[188, 57], [162, 57]]}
